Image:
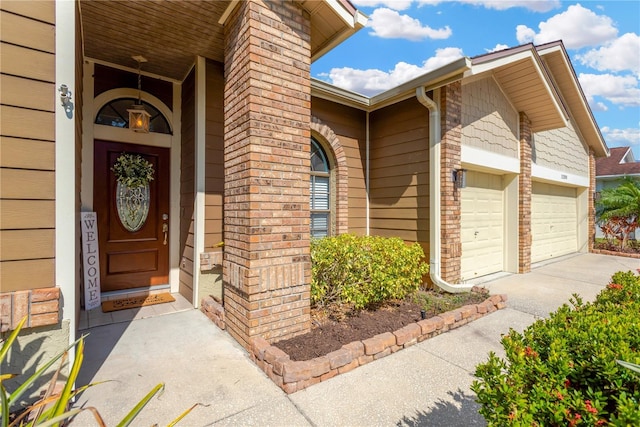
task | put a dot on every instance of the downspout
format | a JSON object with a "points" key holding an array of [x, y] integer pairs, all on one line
{"points": [[367, 171], [434, 192]]}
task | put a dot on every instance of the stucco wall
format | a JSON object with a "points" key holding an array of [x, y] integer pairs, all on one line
{"points": [[32, 349], [489, 122], [562, 150]]}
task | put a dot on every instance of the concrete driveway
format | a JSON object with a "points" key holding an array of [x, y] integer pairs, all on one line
{"points": [[424, 385]]}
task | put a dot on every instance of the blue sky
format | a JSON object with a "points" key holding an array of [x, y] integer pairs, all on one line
{"points": [[406, 38]]}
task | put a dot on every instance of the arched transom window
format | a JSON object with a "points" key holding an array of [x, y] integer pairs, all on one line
{"points": [[114, 113], [320, 192]]}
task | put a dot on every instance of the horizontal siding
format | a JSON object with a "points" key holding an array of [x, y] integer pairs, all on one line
{"points": [[26, 123], [27, 274], [40, 10], [27, 93], [20, 154], [23, 214], [27, 145], [24, 31], [24, 62], [18, 245], [27, 184], [348, 124], [399, 159]]}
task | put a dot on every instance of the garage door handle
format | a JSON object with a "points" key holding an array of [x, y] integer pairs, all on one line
{"points": [[475, 234]]}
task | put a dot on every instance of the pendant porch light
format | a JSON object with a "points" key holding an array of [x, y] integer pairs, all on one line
{"points": [[138, 116]]}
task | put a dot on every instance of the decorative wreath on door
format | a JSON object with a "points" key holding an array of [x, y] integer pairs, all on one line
{"points": [[133, 174]]}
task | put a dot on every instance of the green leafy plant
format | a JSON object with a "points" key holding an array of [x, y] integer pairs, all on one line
{"points": [[133, 170], [54, 408], [563, 371], [364, 270], [618, 211]]}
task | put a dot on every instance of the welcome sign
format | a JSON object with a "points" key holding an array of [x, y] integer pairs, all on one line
{"points": [[91, 260]]}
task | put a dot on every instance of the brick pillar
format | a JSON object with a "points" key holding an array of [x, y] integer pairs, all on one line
{"points": [[524, 196], [267, 101], [450, 147], [591, 210]]}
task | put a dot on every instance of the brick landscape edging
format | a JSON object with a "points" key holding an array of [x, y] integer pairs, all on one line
{"points": [[294, 376], [606, 252]]}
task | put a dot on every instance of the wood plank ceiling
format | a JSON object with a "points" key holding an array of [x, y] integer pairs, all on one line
{"points": [[169, 34]]}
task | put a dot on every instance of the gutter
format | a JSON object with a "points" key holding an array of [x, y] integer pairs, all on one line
{"points": [[434, 193]]}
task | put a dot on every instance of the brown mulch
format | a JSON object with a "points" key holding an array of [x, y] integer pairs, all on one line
{"points": [[330, 330]]}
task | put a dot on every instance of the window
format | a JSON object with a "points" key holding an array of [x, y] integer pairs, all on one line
{"points": [[320, 192], [114, 113]]}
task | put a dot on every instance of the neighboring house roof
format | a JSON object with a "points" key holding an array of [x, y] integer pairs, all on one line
{"points": [[621, 162]]}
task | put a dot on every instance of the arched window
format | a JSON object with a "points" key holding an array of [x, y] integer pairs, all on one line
{"points": [[114, 113], [320, 192]]}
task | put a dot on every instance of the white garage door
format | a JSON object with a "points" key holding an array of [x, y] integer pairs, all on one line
{"points": [[482, 225], [554, 221]]}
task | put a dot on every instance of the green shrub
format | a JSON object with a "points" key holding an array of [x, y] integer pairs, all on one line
{"points": [[364, 270], [562, 371]]}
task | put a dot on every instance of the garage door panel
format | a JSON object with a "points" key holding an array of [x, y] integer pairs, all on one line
{"points": [[482, 225], [553, 221]]}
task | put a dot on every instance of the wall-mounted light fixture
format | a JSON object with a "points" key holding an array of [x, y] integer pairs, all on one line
{"points": [[596, 196], [65, 96], [138, 116], [460, 178]]}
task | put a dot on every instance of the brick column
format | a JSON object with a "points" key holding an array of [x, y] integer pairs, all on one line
{"points": [[591, 209], [524, 196], [267, 100], [450, 147]]}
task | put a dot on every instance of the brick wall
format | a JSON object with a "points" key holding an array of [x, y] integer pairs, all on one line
{"points": [[40, 306], [591, 209], [451, 123], [267, 96], [524, 197]]}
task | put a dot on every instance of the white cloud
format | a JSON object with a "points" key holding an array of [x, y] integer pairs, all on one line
{"points": [[389, 24], [533, 5], [391, 4], [599, 106], [498, 47], [620, 55], [577, 27], [621, 137], [372, 81], [621, 90]]}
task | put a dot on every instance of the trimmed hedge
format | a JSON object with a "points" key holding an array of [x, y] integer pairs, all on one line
{"points": [[364, 270], [562, 371]]}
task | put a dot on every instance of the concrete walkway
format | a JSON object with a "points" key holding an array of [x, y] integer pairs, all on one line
{"points": [[424, 385]]}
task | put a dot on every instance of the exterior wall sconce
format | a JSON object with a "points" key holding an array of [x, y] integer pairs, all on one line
{"points": [[65, 97], [138, 116], [460, 178]]}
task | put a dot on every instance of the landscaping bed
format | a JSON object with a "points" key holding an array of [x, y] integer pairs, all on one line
{"points": [[295, 375], [339, 325]]}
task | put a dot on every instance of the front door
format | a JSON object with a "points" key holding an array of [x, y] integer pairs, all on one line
{"points": [[132, 254]]}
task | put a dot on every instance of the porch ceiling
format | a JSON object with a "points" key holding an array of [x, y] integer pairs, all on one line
{"points": [[171, 33]]}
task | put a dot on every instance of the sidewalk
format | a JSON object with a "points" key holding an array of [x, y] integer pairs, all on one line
{"points": [[426, 384]]}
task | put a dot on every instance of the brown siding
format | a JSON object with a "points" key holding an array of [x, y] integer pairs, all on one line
{"points": [[187, 186], [107, 78], [399, 160], [27, 180], [214, 171], [349, 126]]}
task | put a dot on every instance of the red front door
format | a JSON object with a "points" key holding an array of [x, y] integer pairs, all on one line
{"points": [[131, 259]]}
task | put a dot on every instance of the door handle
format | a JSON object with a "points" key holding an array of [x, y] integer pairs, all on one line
{"points": [[165, 230]]}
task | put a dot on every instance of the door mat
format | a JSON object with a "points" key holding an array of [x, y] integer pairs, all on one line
{"points": [[135, 302]]}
